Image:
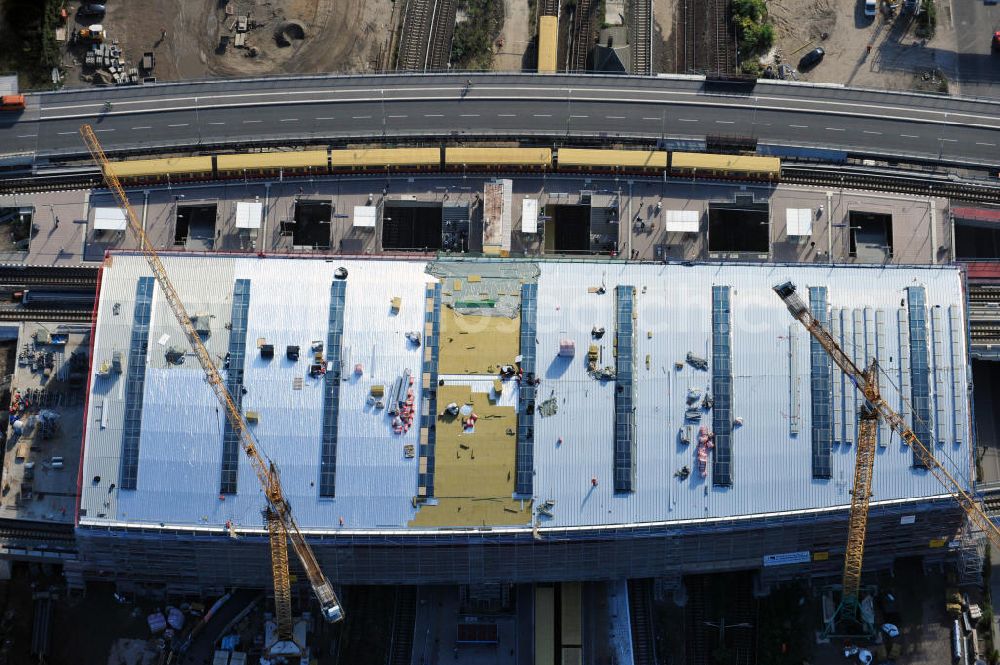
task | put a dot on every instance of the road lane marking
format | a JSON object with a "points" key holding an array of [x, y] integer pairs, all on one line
{"points": [[652, 118], [989, 145], [391, 116], [799, 126], [579, 116], [360, 117], [29, 136], [725, 122], [331, 117], [433, 115], [909, 136], [289, 120], [469, 115], [67, 133], [104, 130], [506, 115], [774, 102], [687, 120], [180, 124], [216, 123], [615, 117], [542, 115], [142, 127], [835, 129], [949, 140], [249, 122], [868, 131]]}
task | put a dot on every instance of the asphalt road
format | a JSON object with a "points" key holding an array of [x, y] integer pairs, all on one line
{"points": [[254, 112]]}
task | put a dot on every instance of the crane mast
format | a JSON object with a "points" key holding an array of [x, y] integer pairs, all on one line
{"points": [[868, 385], [266, 472]]}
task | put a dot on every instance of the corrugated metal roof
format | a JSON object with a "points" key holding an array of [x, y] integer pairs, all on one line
{"points": [[623, 158], [272, 160], [180, 449], [771, 467], [137, 167], [526, 156], [548, 42]]}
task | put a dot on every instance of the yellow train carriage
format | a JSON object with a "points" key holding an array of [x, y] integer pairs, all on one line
{"points": [[548, 44], [171, 169], [576, 159], [725, 166], [300, 162], [382, 159], [532, 159]]}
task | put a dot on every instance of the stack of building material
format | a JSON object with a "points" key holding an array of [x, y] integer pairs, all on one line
{"points": [[109, 58], [497, 196]]}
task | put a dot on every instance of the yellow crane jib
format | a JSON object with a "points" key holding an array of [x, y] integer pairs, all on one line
{"points": [[330, 606], [869, 388]]}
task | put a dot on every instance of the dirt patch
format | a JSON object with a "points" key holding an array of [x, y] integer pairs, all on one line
{"points": [[883, 52], [515, 38], [194, 40], [664, 56]]}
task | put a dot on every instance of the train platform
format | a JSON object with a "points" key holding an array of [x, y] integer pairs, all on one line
{"points": [[635, 218]]}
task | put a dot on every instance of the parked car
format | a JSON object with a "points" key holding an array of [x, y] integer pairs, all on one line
{"points": [[871, 8], [811, 59], [90, 9]]}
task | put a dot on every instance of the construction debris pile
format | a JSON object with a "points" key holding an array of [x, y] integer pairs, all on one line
{"points": [[494, 291]]}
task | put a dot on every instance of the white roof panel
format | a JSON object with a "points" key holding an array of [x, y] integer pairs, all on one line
{"points": [[110, 219], [529, 215], [364, 216], [683, 221], [249, 214], [799, 221]]}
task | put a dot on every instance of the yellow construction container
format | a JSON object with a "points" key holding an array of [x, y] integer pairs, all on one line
{"points": [[308, 159], [548, 44], [181, 166], [385, 157], [613, 159], [737, 165], [527, 157]]}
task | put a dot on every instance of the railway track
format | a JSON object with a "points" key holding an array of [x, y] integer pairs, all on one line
{"points": [[641, 18], [548, 8], [582, 37], [29, 276], [923, 184], [442, 33], [428, 29], [706, 46], [417, 19], [984, 293], [20, 314]]}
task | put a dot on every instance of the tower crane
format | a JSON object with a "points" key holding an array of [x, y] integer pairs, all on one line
{"points": [[875, 407], [281, 523]]}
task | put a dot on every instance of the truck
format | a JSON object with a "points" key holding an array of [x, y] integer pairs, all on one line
{"points": [[12, 103]]}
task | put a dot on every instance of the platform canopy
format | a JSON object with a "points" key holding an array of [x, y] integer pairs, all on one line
{"points": [[109, 219], [249, 214]]}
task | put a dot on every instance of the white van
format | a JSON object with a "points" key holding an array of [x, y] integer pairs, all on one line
{"points": [[871, 8]]}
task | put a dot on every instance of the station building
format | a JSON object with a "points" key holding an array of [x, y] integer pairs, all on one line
{"points": [[495, 420]]}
